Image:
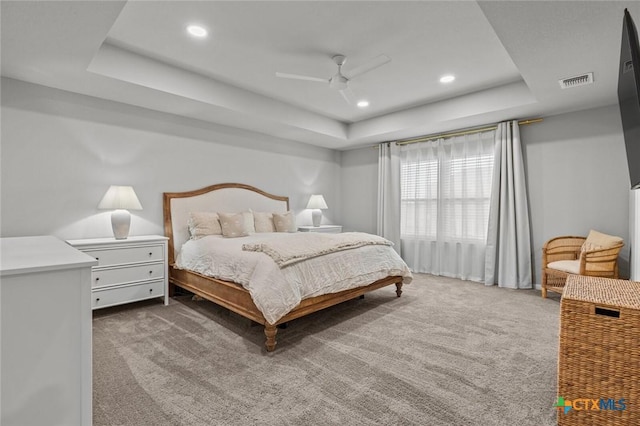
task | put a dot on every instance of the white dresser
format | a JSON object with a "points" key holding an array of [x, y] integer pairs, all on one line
{"points": [[45, 333], [128, 270], [330, 229]]}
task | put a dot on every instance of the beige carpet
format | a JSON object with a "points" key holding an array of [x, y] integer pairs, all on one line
{"points": [[447, 352]]}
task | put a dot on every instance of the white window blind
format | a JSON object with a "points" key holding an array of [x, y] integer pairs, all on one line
{"points": [[419, 197], [446, 188]]}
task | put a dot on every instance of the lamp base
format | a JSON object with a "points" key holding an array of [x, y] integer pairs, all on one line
{"points": [[316, 217], [120, 222]]}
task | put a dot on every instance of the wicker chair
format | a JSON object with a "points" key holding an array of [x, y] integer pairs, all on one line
{"points": [[569, 258]]}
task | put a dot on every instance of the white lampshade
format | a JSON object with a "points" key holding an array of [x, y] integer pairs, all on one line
{"points": [[120, 198], [316, 202]]}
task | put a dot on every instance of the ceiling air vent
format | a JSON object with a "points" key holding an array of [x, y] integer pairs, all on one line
{"points": [[579, 80]]}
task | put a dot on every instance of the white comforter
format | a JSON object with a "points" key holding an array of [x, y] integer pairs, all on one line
{"points": [[276, 291]]}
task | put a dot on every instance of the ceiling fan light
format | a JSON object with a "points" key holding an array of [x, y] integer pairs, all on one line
{"points": [[197, 31], [447, 78], [363, 104], [338, 82]]}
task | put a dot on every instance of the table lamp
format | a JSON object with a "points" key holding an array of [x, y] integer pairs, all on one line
{"points": [[317, 203], [122, 199]]}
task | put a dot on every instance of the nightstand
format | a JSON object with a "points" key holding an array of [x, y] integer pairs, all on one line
{"points": [[128, 270], [330, 229]]}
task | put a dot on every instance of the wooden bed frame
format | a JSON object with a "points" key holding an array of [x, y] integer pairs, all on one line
{"points": [[235, 197]]}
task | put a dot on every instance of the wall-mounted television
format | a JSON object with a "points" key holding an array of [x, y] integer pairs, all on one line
{"points": [[629, 96]]}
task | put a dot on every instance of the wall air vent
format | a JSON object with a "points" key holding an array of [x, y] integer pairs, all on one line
{"points": [[579, 80]]}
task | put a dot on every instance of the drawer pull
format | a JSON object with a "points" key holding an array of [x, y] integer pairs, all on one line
{"points": [[97, 299], [150, 253], [97, 278], [150, 272], [150, 290]]}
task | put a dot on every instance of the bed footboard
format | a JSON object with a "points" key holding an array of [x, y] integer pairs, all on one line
{"points": [[235, 298]]}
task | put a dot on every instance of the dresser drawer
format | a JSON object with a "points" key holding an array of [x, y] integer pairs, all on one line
{"points": [[123, 255], [128, 270], [128, 274], [125, 294]]}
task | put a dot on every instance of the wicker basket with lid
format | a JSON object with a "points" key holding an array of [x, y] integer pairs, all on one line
{"points": [[599, 353]]}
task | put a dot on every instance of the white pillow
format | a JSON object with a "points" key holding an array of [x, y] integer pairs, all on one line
{"points": [[248, 222], [264, 222], [285, 222], [233, 225], [202, 224]]}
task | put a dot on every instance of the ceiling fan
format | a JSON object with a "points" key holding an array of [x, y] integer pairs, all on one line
{"points": [[340, 81]]}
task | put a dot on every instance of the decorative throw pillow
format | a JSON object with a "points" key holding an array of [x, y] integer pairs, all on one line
{"points": [[285, 222], [202, 224], [248, 221], [597, 240], [233, 225], [264, 222]]}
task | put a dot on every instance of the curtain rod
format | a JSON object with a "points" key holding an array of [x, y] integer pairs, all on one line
{"points": [[463, 132]]}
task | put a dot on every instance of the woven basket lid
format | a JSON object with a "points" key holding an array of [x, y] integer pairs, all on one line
{"points": [[606, 291]]}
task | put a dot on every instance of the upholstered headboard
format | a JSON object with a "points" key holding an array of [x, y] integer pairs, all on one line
{"points": [[224, 197]]}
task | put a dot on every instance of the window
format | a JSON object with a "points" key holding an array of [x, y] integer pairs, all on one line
{"points": [[446, 189], [419, 196]]}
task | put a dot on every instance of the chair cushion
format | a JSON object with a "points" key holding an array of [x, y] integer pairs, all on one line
{"points": [[597, 240], [569, 266]]}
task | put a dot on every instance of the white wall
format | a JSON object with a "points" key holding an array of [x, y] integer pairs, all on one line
{"points": [[359, 189], [577, 178], [576, 175], [634, 231], [60, 152]]}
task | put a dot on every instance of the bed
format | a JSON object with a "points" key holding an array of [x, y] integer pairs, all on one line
{"points": [[239, 294]]}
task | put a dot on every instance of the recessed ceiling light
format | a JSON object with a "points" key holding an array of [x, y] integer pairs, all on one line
{"points": [[363, 104], [197, 31], [447, 79]]}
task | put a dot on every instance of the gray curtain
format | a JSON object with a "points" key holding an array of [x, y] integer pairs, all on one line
{"points": [[508, 253], [389, 193]]}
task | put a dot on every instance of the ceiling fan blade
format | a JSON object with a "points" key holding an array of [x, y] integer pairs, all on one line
{"points": [[374, 63], [301, 77], [348, 96]]}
